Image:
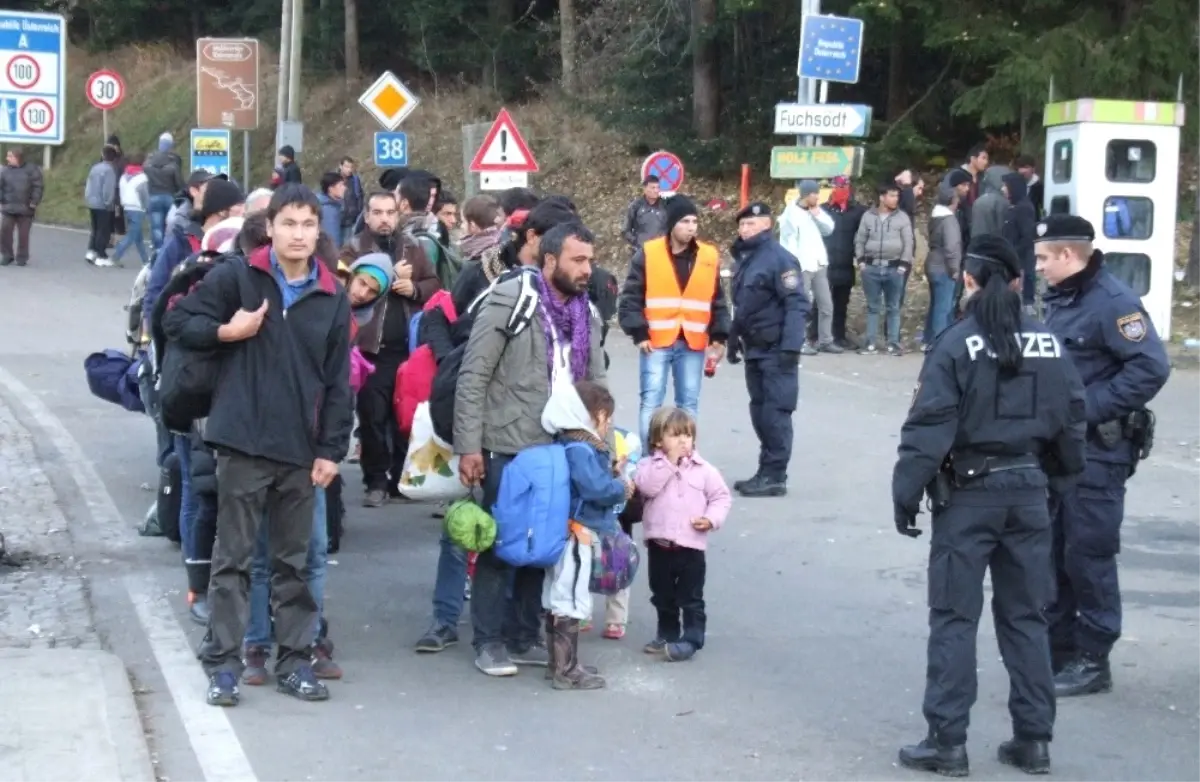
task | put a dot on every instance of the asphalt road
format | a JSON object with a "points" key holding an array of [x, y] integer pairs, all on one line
{"points": [[815, 659]]}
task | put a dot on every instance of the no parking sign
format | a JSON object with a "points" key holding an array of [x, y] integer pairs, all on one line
{"points": [[667, 167]]}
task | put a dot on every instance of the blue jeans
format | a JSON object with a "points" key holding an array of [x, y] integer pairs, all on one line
{"points": [[133, 236], [941, 304], [160, 207], [258, 630], [686, 367], [189, 504], [886, 283], [449, 584]]}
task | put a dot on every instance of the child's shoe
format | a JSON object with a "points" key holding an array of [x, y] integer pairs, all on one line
{"points": [[656, 647], [680, 651], [613, 632], [568, 673]]}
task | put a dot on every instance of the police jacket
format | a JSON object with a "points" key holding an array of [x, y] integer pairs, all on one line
{"points": [[964, 408], [1101, 324], [769, 304]]}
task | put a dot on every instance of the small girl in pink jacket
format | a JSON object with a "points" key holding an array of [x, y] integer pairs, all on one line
{"points": [[685, 498]]}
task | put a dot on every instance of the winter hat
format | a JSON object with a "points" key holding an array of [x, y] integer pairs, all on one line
{"points": [[378, 265], [958, 177], [469, 526], [679, 207], [808, 187], [287, 151], [221, 194], [222, 237], [165, 141]]}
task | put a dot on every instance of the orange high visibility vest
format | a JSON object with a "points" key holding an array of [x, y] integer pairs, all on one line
{"points": [[669, 310]]}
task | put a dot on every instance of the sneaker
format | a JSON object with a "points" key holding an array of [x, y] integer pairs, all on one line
{"points": [[869, 350], [302, 683], [656, 647], [808, 350], [493, 660], [223, 689], [323, 666], [375, 498], [613, 632], [680, 651], [105, 263], [5, 260], [256, 673], [535, 654], [90, 256], [438, 639], [198, 608], [832, 348], [894, 349]]}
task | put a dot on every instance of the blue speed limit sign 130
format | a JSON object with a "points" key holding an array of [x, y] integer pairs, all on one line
{"points": [[391, 149]]}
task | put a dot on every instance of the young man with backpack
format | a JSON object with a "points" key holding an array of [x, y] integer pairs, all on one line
{"points": [[416, 221], [520, 346], [279, 418]]}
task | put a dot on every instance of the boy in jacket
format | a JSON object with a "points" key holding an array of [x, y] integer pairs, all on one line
{"points": [[280, 423]]}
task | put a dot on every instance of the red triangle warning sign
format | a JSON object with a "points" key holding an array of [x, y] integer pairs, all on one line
{"points": [[504, 149]]}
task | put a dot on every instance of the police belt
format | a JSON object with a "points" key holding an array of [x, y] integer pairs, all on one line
{"points": [[968, 467]]}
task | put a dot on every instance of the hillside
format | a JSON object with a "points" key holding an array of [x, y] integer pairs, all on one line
{"points": [[577, 156]]}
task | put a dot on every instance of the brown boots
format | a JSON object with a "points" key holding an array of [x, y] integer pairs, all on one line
{"points": [[564, 670]]}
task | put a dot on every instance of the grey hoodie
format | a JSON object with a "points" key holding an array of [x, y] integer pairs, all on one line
{"points": [[101, 187], [884, 238], [990, 209]]}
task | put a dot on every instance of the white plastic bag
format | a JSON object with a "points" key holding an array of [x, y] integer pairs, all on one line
{"points": [[431, 468]]}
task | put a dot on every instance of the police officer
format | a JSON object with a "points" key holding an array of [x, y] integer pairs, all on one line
{"points": [[1101, 324], [998, 415], [768, 329]]}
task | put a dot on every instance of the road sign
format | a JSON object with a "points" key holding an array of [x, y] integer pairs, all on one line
{"points": [[504, 149], [389, 101], [391, 148], [227, 86], [815, 162], [796, 119], [830, 48], [503, 180], [33, 76], [105, 90], [667, 167], [211, 151]]}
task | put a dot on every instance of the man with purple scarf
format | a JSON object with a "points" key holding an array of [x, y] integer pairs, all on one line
{"points": [[504, 384]]}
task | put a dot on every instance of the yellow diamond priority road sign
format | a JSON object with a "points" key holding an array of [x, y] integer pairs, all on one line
{"points": [[388, 100]]}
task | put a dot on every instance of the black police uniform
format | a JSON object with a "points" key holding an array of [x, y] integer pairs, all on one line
{"points": [[1109, 336], [768, 330], [989, 443]]}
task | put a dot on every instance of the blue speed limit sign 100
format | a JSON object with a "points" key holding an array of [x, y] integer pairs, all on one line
{"points": [[391, 149]]}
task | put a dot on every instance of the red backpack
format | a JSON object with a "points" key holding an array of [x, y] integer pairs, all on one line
{"points": [[414, 378]]}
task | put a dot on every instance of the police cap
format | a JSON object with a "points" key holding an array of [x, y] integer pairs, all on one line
{"points": [[756, 209], [1064, 228], [989, 248]]}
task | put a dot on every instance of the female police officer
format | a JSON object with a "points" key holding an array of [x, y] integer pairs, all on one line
{"points": [[998, 413]]}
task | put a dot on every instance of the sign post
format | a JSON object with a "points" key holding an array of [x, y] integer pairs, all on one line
{"points": [[105, 90], [211, 150], [227, 89], [33, 78], [503, 160]]}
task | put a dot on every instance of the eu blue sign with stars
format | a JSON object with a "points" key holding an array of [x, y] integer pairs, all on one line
{"points": [[830, 48]]}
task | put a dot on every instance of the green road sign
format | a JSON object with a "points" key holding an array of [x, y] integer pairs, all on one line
{"points": [[815, 162]]}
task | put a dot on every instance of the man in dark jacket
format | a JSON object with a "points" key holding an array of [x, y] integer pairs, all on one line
{"points": [[280, 422], [847, 213], [646, 218], [164, 181], [352, 202], [20, 194], [384, 342], [289, 166], [1018, 230]]}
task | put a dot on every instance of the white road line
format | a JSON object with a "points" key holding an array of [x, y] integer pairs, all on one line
{"points": [[213, 739], [67, 228]]}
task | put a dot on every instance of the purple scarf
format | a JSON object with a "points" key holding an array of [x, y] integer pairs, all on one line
{"points": [[572, 319]]}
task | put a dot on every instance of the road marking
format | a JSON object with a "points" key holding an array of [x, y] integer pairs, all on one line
{"points": [[213, 739], [69, 229]]}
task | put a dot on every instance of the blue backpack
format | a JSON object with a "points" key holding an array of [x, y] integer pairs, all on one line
{"points": [[414, 331], [533, 507]]}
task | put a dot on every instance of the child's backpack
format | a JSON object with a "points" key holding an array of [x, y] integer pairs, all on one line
{"points": [[533, 506], [615, 560]]}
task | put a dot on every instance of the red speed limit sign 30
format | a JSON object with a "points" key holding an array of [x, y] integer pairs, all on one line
{"points": [[105, 90]]}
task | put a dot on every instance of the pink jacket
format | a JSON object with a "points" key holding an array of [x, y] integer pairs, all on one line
{"points": [[676, 494]]}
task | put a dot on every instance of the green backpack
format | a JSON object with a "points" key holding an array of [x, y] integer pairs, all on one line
{"points": [[446, 261]]}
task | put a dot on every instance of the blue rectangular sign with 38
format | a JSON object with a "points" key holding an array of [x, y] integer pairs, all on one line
{"points": [[391, 149]]}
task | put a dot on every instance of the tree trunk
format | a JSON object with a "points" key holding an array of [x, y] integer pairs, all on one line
{"points": [[351, 44], [500, 16], [567, 42], [706, 82], [897, 95], [1191, 275]]}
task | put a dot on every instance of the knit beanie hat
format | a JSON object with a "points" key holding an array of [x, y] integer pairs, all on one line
{"points": [[219, 195], [378, 265], [679, 207], [808, 187], [165, 141]]}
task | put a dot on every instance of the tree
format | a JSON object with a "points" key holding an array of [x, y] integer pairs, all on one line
{"points": [[568, 33], [706, 81], [352, 73]]}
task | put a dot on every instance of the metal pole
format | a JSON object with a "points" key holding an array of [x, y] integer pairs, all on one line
{"points": [[285, 59], [246, 161], [822, 98], [104, 123], [293, 103], [47, 157]]}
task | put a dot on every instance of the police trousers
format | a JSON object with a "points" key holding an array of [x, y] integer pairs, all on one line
{"points": [[1086, 616], [774, 392], [978, 532]]}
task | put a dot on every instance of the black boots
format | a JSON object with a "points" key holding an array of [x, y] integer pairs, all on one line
{"points": [[1029, 755], [565, 671], [930, 755], [762, 486], [1085, 675]]}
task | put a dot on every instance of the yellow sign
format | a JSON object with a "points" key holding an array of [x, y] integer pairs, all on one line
{"points": [[211, 145], [388, 101]]}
